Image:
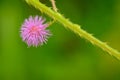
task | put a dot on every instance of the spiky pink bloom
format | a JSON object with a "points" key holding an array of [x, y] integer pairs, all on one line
{"points": [[33, 31]]}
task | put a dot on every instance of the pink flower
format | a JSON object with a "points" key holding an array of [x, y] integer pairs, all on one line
{"points": [[33, 31]]}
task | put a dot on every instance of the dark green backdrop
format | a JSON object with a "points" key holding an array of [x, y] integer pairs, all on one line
{"points": [[66, 56]]}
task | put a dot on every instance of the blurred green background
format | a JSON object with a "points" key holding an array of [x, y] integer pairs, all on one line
{"points": [[66, 56]]}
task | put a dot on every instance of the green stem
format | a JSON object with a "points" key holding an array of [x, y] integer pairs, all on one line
{"points": [[73, 27]]}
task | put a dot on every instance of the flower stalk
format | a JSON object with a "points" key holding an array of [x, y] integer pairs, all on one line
{"points": [[54, 5], [73, 27]]}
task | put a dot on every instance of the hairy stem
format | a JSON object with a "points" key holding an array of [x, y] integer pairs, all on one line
{"points": [[73, 27], [54, 5]]}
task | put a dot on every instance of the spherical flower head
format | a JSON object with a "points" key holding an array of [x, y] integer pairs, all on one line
{"points": [[33, 31]]}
